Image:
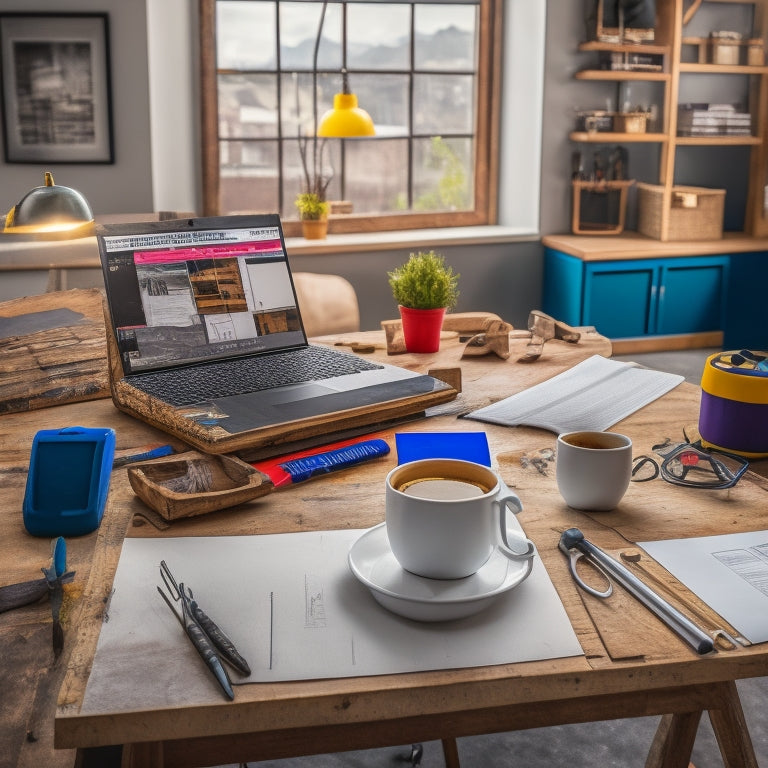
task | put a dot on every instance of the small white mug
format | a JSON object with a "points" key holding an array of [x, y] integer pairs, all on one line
{"points": [[445, 517], [593, 469]]}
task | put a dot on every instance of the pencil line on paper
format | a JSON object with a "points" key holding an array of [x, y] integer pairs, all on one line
{"points": [[271, 624]]}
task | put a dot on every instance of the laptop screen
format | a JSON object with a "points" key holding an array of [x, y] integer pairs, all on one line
{"points": [[192, 290]]}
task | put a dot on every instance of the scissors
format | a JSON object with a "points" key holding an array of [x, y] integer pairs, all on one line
{"points": [[205, 634], [574, 546]]}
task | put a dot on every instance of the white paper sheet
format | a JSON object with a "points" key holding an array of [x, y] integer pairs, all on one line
{"points": [[295, 611], [593, 395], [728, 572]]}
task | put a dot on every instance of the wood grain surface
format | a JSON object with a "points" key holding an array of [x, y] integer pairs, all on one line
{"points": [[643, 671], [52, 350]]}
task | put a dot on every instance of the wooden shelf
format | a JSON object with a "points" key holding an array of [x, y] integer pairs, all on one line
{"points": [[717, 141], [650, 48], [723, 69], [608, 137], [621, 74]]}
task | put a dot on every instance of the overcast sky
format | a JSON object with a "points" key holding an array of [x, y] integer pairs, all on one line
{"points": [[248, 27]]}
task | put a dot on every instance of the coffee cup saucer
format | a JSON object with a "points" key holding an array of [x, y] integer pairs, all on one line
{"points": [[415, 597]]}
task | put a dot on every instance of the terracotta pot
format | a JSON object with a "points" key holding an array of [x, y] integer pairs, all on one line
{"points": [[421, 328], [314, 229]]}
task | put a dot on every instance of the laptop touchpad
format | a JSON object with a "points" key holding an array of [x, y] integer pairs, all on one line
{"points": [[288, 394]]}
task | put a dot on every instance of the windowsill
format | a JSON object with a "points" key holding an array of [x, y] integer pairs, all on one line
{"points": [[17, 254], [360, 242]]}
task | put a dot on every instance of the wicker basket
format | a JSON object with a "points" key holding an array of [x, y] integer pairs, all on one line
{"points": [[630, 122], [696, 213]]}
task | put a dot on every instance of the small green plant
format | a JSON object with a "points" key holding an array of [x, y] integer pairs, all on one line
{"points": [[311, 206], [425, 282]]}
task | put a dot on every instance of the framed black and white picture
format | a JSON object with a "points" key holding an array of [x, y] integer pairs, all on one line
{"points": [[56, 98]]}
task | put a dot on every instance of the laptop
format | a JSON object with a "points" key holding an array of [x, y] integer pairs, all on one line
{"points": [[205, 341]]}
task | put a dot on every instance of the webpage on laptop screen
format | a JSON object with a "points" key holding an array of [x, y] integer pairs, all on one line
{"points": [[182, 297]]}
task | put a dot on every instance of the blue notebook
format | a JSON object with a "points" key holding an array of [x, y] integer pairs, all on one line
{"points": [[470, 446]]}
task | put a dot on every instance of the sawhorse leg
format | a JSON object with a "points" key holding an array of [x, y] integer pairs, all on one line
{"points": [[673, 743], [730, 728], [451, 753]]}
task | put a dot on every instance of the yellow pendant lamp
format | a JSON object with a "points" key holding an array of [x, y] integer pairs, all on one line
{"points": [[346, 119]]}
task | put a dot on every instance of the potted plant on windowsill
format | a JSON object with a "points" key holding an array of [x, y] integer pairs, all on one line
{"points": [[424, 289], [313, 212]]}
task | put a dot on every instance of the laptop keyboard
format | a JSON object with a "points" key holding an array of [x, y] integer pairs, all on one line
{"points": [[225, 378]]}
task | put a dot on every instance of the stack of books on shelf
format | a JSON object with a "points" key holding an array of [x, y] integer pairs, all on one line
{"points": [[712, 120], [632, 62]]}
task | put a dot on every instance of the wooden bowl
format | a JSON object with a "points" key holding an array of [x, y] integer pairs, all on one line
{"points": [[192, 483]]}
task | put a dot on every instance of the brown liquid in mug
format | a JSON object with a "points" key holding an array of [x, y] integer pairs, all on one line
{"points": [[443, 488], [588, 441]]}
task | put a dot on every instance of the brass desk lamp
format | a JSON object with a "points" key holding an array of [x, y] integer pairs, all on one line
{"points": [[51, 212]]}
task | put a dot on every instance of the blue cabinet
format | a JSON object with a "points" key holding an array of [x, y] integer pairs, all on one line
{"points": [[746, 325], [637, 297], [619, 299]]}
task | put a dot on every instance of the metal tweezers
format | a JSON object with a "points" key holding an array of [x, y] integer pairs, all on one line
{"points": [[208, 639]]}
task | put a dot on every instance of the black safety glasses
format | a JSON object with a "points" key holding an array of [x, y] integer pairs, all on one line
{"points": [[691, 466]]}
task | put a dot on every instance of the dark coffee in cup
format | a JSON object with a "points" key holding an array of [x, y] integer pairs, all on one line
{"points": [[593, 440]]}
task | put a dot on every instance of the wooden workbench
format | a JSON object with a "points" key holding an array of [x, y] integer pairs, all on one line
{"points": [[647, 671]]}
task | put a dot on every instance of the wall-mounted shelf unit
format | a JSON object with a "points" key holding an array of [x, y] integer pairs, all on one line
{"points": [[670, 53], [661, 291]]}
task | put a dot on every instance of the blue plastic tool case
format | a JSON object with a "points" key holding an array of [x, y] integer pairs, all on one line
{"points": [[68, 480]]}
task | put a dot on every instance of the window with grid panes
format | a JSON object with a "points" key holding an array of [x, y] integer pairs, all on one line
{"points": [[425, 71]]}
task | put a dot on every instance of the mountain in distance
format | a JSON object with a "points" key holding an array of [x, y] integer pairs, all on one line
{"points": [[441, 50]]}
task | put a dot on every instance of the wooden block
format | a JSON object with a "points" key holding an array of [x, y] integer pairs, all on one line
{"points": [[393, 330], [451, 376]]}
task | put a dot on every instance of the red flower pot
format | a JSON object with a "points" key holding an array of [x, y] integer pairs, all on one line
{"points": [[421, 328]]}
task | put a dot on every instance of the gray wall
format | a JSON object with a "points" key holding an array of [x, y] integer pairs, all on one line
{"points": [[501, 278], [125, 185], [563, 98]]}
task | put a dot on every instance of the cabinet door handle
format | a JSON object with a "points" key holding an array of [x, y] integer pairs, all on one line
{"points": [[653, 309]]}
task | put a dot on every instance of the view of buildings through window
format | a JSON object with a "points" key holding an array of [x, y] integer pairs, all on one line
{"points": [[415, 67]]}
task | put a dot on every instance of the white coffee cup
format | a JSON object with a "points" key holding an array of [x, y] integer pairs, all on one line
{"points": [[593, 469], [445, 517]]}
